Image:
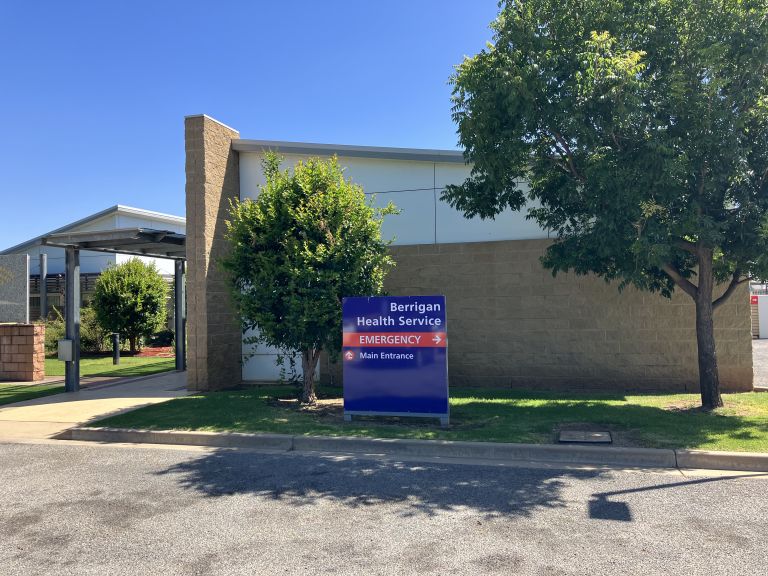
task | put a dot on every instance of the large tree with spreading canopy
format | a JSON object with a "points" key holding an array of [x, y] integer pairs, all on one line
{"points": [[641, 129]]}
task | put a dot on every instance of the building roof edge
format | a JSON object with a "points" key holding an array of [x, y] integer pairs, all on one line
{"points": [[346, 150]]}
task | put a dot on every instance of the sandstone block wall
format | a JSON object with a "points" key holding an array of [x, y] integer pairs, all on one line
{"points": [[213, 333], [511, 324], [22, 352], [14, 288]]}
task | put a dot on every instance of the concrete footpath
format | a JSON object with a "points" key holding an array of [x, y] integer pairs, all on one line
{"points": [[477, 451], [45, 417]]}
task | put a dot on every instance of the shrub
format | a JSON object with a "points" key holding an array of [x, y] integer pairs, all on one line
{"points": [[54, 331], [161, 339], [93, 338]]}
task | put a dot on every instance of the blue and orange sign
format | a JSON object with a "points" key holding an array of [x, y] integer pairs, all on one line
{"points": [[395, 356]]}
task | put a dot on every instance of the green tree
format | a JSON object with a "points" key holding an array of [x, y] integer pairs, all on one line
{"points": [[309, 239], [130, 299], [641, 129]]}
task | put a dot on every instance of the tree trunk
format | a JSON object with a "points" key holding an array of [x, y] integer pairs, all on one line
{"points": [[132, 340], [309, 360], [709, 380]]}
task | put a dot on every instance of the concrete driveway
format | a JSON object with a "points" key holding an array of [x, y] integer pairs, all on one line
{"points": [[45, 417]]}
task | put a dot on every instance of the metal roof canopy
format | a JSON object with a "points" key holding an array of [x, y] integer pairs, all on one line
{"points": [[132, 241]]}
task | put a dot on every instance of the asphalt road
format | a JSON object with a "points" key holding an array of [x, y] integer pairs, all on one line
{"points": [[81, 509]]}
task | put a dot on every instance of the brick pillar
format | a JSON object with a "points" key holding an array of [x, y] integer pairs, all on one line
{"points": [[214, 339], [22, 352]]}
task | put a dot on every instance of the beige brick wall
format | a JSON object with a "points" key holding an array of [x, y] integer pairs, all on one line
{"points": [[213, 334], [22, 352], [510, 323]]}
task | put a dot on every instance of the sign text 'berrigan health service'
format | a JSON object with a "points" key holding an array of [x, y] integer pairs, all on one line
{"points": [[395, 356]]}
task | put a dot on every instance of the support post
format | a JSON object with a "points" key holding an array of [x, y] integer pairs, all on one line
{"points": [[43, 286], [180, 320], [115, 348], [72, 318]]}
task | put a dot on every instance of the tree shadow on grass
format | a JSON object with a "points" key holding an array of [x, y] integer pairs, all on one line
{"points": [[536, 416], [10, 394], [126, 369], [136, 370], [638, 425], [417, 489]]}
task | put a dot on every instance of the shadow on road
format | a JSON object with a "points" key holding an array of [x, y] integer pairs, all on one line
{"points": [[601, 508], [418, 489]]}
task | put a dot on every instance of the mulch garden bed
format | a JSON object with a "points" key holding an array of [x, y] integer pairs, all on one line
{"points": [[159, 352]]}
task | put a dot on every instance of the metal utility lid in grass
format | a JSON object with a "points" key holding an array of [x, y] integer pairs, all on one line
{"points": [[585, 436]]}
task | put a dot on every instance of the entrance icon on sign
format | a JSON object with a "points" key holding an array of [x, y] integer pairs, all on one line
{"points": [[349, 355]]}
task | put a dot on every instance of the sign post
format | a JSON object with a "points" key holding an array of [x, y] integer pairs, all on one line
{"points": [[395, 354]]}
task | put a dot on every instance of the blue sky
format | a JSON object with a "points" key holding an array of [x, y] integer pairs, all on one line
{"points": [[94, 93]]}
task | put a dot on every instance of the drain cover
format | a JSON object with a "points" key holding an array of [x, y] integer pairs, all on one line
{"points": [[585, 436]]}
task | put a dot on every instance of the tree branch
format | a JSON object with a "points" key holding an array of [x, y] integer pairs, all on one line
{"points": [[686, 245], [700, 187], [735, 281], [681, 281], [556, 161], [568, 155]]}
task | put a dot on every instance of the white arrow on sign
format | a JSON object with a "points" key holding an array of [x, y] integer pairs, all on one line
{"points": [[437, 339], [349, 355]]}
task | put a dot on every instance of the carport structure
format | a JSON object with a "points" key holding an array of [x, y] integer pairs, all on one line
{"points": [[131, 241]]}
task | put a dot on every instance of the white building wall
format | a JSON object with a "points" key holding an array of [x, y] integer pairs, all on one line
{"points": [[90, 262], [415, 188], [762, 315], [163, 265]]}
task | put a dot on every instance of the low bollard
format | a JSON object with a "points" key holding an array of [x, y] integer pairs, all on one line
{"points": [[115, 348]]}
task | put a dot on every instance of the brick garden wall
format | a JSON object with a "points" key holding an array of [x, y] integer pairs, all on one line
{"points": [[511, 324], [22, 352]]}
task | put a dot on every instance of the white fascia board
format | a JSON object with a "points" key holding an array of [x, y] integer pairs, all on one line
{"points": [[344, 150], [150, 214]]}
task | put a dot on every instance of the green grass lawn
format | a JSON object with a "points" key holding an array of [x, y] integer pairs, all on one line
{"points": [[102, 366], [657, 421], [10, 392]]}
